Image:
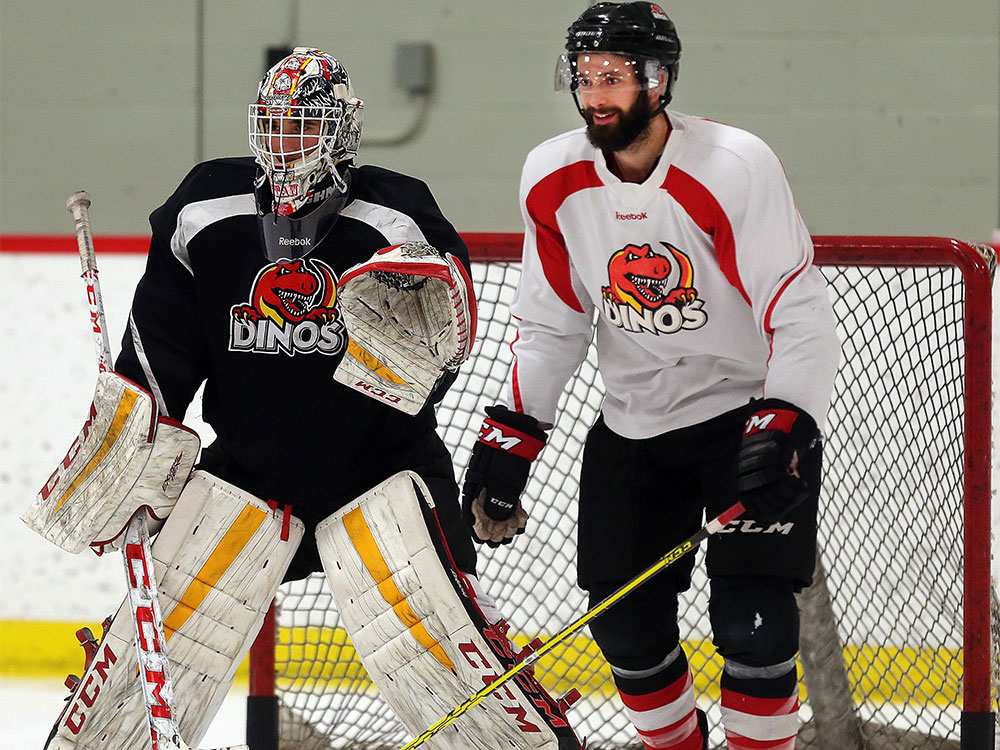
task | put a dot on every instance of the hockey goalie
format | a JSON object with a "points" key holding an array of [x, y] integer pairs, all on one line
{"points": [[326, 307]]}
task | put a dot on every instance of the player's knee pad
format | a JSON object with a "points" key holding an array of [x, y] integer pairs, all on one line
{"points": [[636, 632], [219, 559], [755, 621], [423, 629], [127, 456]]}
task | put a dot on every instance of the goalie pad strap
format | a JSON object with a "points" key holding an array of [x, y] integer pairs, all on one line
{"points": [[426, 634], [125, 457], [218, 561]]}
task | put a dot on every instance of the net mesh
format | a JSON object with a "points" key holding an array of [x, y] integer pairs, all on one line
{"points": [[891, 534]]}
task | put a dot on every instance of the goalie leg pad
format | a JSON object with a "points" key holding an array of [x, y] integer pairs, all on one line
{"points": [[219, 559], [126, 457], [424, 632]]}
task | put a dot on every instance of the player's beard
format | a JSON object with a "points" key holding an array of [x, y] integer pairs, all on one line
{"points": [[632, 125]]}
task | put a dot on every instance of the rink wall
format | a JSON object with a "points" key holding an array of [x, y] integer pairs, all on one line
{"points": [[884, 113]]}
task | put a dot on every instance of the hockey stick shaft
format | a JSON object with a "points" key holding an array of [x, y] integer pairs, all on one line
{"points": [[144, 602], [78, 205], [689, 544]]}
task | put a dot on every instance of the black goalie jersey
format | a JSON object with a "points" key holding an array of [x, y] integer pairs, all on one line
{"points": [[266, 337]]}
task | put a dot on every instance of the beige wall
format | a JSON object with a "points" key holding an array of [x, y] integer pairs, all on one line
{"points": [[885, 112]]}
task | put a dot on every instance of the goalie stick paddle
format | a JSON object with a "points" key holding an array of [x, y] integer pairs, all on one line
{"points": [[729, 514], [144, 602]]}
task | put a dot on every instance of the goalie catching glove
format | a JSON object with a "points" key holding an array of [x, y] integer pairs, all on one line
{"points": [[498, 472], [411, 315], [781, 447]]}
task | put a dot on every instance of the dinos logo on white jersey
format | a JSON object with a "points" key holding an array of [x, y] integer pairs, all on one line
{"points": [[292, 309], [651, 293]]}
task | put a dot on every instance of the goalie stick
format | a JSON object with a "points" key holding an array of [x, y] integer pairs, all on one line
{"points": [[716, 524], [150, 643]]}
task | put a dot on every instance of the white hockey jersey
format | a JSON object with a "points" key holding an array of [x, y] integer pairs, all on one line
{"points": [[701, 278]]}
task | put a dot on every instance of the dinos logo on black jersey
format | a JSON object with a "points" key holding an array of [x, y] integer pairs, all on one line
{"points": [[292, 309], [650, 293]]}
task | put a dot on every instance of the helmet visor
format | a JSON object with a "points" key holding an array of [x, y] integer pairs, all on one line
{"points": [[579, 72]]}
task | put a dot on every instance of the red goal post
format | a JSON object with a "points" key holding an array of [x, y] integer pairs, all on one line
{"points": [[941, 291]]}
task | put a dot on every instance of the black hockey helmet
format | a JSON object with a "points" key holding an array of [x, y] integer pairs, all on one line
{"points": [[637, 29]]}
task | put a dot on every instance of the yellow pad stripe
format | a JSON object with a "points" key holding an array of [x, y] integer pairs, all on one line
{"points": [[370, 362], [367, 549], [227, 550], [124, 410]]}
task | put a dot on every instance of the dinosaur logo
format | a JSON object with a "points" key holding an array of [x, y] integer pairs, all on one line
{"points": [[650, 293], [292, 309]]}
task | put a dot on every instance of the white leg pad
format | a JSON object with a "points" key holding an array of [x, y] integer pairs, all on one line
{"points": [[219, 559], [421, 630]]}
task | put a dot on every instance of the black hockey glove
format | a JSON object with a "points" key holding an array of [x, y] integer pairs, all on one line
{"points": [[781, 443], [498, 472]]}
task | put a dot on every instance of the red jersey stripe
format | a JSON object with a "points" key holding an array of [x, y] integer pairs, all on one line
{"points": [[543, 200], [705, 211], [515, 387], [768, 327]]}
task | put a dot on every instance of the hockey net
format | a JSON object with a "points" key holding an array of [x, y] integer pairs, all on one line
{"points": [[896, 639]]}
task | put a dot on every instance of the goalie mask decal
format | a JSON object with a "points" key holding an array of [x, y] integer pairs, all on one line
{"points": [[292, 308], [648, 292]]}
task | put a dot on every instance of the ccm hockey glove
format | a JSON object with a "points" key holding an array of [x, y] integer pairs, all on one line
{"points": [[498, 472], [781, 444]]}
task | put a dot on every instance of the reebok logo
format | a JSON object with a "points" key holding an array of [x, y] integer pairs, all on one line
{"points": [[295, 241], [641, 216]]}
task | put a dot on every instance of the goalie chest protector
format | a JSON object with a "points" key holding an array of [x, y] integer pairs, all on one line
{"points": [[268, 336]]}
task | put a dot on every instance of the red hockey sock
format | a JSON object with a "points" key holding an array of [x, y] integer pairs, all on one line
{"points": [[666, 718], [759, 723]]}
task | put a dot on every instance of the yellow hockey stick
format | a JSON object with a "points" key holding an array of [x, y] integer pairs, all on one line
{"points": [[713, 526]]}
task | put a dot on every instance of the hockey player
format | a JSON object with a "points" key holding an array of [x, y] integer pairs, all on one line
{"points": [[717, 348], [298, 287]]}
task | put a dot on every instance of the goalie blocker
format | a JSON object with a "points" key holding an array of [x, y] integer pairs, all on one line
{"points": [[126, 457], [425, 631]]}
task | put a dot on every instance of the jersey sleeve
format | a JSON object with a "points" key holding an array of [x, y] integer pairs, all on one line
{"points": [[555, 317], [163, 348], [791, 307], [438, 231]]}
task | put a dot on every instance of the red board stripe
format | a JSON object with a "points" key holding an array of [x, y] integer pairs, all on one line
{"points": [[66, 243]]}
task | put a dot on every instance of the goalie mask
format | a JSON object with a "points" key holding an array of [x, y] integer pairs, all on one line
{"points": [[304, 129]]}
